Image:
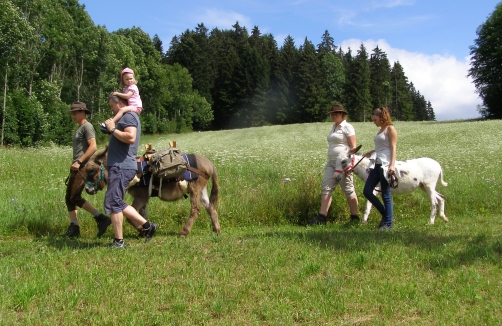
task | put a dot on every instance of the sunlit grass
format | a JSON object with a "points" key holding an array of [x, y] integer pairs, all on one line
{"points": [[264, 268]]}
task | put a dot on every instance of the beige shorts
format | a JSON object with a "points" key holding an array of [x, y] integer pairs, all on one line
{"points": [[329, 183]]}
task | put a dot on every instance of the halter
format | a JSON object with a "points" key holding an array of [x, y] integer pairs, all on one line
{"points": [[349, 168], [94, 185]]}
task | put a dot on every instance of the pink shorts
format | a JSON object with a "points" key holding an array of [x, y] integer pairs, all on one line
{"points": [[136, 109]]}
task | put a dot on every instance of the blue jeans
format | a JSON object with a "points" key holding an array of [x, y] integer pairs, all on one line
{"points": [[376, 176]]}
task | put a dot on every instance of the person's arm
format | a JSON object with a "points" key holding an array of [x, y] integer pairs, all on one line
{"points": [[392, 133], [128, 136], [351, 140], [87, 155], [368, 153], [125, 96], [120, 113]]}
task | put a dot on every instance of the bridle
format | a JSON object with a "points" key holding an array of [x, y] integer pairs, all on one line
{"points": [[348, 170], [94, 185]]}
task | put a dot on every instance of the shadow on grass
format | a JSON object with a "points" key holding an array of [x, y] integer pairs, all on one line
{"points": [[442, 252], [78, 243]]}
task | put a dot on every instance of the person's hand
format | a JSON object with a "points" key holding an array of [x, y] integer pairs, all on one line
{"points": [[391, 170], [75, 166], [114, 93], [368, 154], [109, 124]]}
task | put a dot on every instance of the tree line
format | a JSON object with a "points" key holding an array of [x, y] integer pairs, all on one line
{"points": [[52, 53], [250, 81]]}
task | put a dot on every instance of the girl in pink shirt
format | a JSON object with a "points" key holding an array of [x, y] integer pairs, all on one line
{"points": [[130, 93]]}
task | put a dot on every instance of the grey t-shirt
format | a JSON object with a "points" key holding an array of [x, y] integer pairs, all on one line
{"points": [[82, 135], [121, 154]]}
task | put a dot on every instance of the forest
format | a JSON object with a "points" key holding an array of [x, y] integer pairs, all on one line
{"points": [[52, 54]]}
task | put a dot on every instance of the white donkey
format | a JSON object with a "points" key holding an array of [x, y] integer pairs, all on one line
{"points": [[420, 173]]}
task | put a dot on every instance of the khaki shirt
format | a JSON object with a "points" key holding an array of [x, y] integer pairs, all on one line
{"points": [[80, 144]]}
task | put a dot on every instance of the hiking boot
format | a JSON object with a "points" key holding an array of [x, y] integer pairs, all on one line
{"points": [[103, 128], [103, 222], [149, 233], [72, 232], [385, 228], [320, 219], [354, 218], [117, 244]]}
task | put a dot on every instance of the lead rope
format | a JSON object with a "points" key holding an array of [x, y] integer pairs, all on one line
{"points": [[393, 181]]}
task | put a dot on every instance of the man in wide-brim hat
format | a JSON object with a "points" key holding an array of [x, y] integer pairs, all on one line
{"points": [[84, 145], [79, 106]]}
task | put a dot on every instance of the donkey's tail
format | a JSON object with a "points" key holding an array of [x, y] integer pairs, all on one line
{"points": [[441, 177], [213, 198]]}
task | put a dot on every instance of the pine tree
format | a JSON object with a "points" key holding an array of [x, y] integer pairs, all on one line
{"points": [[310, 85], [401, 104], [285, 83], [157, 43], [379, 78], [334, 77], [430, 112], [357, 91], [225, 59], [327, 45], [419, 105], [332, 72], [193, 52]]}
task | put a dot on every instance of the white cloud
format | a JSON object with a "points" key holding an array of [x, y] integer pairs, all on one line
{"points": [[441, 79]]}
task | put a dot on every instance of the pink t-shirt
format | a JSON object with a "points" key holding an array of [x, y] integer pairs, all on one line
{"points": [[134, 100]]}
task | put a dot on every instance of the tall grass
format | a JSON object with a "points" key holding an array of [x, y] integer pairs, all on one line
{"points": [[265, 268]]}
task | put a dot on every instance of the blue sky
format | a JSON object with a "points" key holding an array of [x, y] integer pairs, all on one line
{"points": [[429, 38]]}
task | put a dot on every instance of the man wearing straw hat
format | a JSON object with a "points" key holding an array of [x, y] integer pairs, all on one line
{"points": [[84, 145]]}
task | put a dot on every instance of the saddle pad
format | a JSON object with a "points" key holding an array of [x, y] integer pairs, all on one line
{"points": [[188, 175], [191, 161]]}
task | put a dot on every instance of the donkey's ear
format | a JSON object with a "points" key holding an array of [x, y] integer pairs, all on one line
{"points": [[101, 155], [355, 149]]}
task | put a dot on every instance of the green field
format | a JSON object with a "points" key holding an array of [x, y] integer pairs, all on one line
{"points": [[265, 267]]}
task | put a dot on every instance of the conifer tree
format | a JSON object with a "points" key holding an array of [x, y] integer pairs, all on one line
{"points": [[357, 90], [285, 83], [334, 77], [419, 105], [327, 45], [379, 78], [223, 93], [310, 84], [401, 105], [431, 116]]}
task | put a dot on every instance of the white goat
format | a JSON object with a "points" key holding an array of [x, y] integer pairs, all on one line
{"points": [[420, 173]]}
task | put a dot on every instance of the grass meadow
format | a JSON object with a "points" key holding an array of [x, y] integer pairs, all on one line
{"points": [[266, 267]]}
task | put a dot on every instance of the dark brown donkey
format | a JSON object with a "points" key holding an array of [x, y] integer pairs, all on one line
{"points": [[95, 174]]}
